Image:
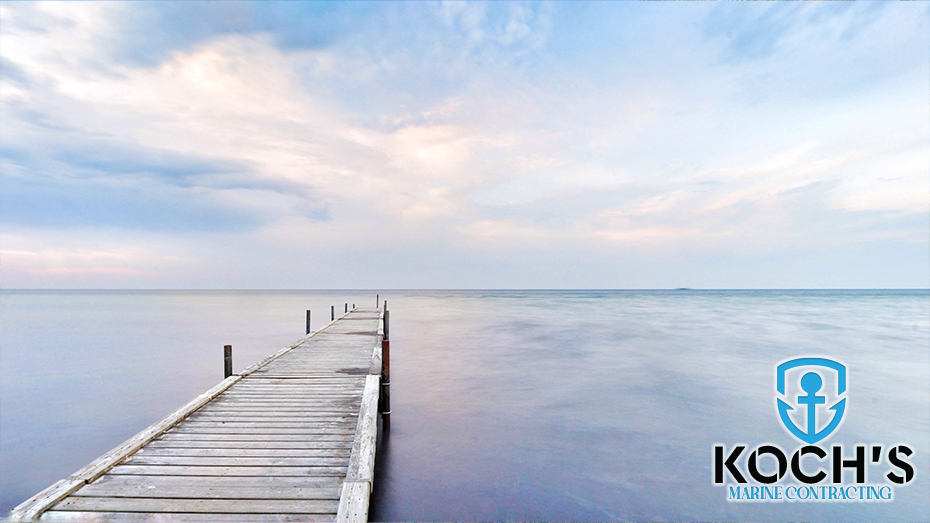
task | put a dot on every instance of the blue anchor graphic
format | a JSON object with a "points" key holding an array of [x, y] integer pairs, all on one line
{"points": [[811, 383]]}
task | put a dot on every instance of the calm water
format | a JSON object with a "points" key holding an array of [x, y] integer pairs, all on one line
{"points": [[507, 405]]}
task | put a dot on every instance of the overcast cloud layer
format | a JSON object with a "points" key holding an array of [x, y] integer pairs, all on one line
{"points": [[456, 145]]}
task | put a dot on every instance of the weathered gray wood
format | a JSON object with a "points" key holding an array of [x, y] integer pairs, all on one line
{"points": [[264, 431], [276, 355], [300, 398], [206, 506], [34, 506], [342, 444], [266, 418], [347, 399], [174, 436], [276, 441], [140, 517], [153, 450], [356, 491], [165, 470], [353, 502], [259, 482], [216, 461], [362, 459], [263, 411], [207, 492], [272, 423]]}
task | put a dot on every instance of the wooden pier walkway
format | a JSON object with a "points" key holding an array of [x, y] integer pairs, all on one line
{"points": [[291, 438]]}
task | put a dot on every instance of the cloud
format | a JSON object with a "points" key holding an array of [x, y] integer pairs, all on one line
{"points": [[443, 131]]}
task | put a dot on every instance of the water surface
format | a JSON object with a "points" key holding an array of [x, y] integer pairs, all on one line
{"points": [[507, 405]]}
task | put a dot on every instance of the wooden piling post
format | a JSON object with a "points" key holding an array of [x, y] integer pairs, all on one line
{"points": [[377, 300], [308, 321], [332, 312], [227, 360], [387, 322], [386, 373], [347, 307]]}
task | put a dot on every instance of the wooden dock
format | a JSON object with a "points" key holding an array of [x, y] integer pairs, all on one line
{"points": [[291, 438]]}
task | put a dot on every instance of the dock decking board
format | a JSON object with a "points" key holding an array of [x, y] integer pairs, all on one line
{"points": [[288, 439]]}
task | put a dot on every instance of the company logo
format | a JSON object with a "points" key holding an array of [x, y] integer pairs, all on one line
{"points": [[812, 383], [811, 400]]}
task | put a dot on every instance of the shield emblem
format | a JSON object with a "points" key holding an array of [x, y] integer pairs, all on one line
{"points": [[811, 397]]}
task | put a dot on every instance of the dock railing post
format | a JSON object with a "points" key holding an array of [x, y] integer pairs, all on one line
{"points": [[308, 321], [386, 372], [347, 307], [227, 360]]}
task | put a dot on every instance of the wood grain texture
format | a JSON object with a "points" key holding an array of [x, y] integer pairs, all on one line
{"points": [[289, 438], [354, 501]]}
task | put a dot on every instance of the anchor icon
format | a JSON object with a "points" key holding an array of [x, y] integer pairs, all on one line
{"points": [[811, 383]]}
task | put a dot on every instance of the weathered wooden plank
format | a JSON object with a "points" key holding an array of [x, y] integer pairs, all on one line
{"points": [[200, 506], [356, 491], [141, 517], [308, 391], [176, 436], [272, 423], [259, 415], [206, 492], [362, 459], [318, 404], [343, 444], [156, 450], [288, 409], [320, 399], [304, 381], [36, 505], [294, 385], [309, 431], [166, 470], [321, 388], [280, 390], [324, 396], [353, 502], [256, 416], [218, 461], [272, 410], [272, 482], [335, 421], [248, 427], [261, 410]]}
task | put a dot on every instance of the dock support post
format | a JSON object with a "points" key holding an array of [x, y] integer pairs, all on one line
{"points": [[347, 307], [332, 312], [308, 321], [386, 373], [227, 360], [387, 322]]}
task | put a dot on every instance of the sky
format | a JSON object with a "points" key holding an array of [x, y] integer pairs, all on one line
{"points": [[353, 145]]}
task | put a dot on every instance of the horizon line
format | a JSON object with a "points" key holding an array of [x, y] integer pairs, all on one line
{"points": [[540, 289]]}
